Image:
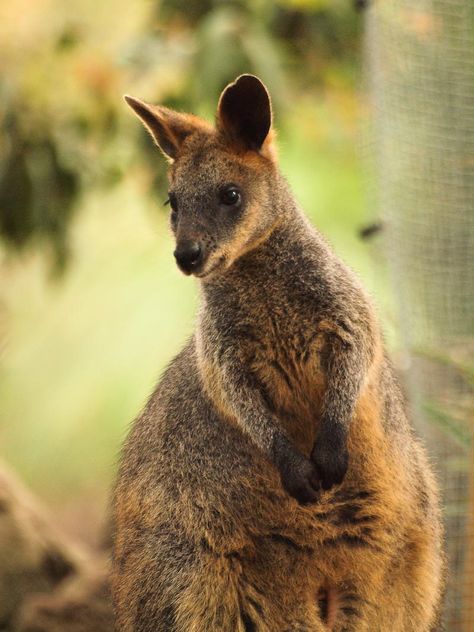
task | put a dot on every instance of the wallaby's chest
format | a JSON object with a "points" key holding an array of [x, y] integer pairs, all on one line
{"points": [[278, 341], [286, 360]]}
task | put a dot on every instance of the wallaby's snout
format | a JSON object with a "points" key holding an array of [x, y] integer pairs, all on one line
{"points": [[189, 256]]}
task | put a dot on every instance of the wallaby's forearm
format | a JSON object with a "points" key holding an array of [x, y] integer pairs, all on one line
{"points": [[346, 359]]}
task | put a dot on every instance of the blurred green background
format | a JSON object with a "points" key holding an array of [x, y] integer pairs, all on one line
{"points": [[92, 306]]}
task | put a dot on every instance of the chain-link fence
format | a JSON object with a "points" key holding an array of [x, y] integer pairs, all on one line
{"points": [[420, 70]]}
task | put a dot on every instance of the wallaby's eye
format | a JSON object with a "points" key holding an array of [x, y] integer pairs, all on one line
{"points": [[230, 196], [173, 202]]}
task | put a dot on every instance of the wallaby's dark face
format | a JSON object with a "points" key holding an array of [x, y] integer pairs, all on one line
{"points": [[221, 180]]}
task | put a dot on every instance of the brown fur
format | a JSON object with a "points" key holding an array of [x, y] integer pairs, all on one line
{"points": [[272, 483]]}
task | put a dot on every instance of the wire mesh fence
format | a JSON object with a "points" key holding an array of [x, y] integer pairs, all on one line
{"points": [[420, 70]]}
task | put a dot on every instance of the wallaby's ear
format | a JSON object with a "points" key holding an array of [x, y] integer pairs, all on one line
{"points": [[244, 112], [168, 128]]}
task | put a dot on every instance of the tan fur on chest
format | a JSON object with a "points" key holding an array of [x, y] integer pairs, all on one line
{"points": [[288, 373], [293, 382]]}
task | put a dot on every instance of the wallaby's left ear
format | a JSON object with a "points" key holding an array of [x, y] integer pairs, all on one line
{"points": [[244, 113], [168, 128]]}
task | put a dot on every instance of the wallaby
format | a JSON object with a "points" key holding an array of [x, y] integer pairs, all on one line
{"points": [[272, 482]]}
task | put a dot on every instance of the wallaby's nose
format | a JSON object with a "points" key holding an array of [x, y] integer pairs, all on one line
{"points": [[188, 256]]}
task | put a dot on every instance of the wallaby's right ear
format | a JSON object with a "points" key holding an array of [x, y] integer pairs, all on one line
{"points": [[168, 128], [244, 113]]}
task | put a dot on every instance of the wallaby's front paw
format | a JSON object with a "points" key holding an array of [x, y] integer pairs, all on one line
{"points": [[301, 480], [330, 460], [298, 474]]}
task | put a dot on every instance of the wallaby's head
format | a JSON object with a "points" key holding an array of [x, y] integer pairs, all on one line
{"points": [[222, 179]]}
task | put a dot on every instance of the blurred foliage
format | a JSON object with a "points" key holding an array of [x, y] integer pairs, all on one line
{"points": [[64, 67]]}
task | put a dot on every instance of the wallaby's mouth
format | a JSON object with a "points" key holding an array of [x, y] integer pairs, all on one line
{"points": [[205, 272]]}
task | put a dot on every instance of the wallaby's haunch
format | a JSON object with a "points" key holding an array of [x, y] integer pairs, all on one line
{"points": [[272, 483]]}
